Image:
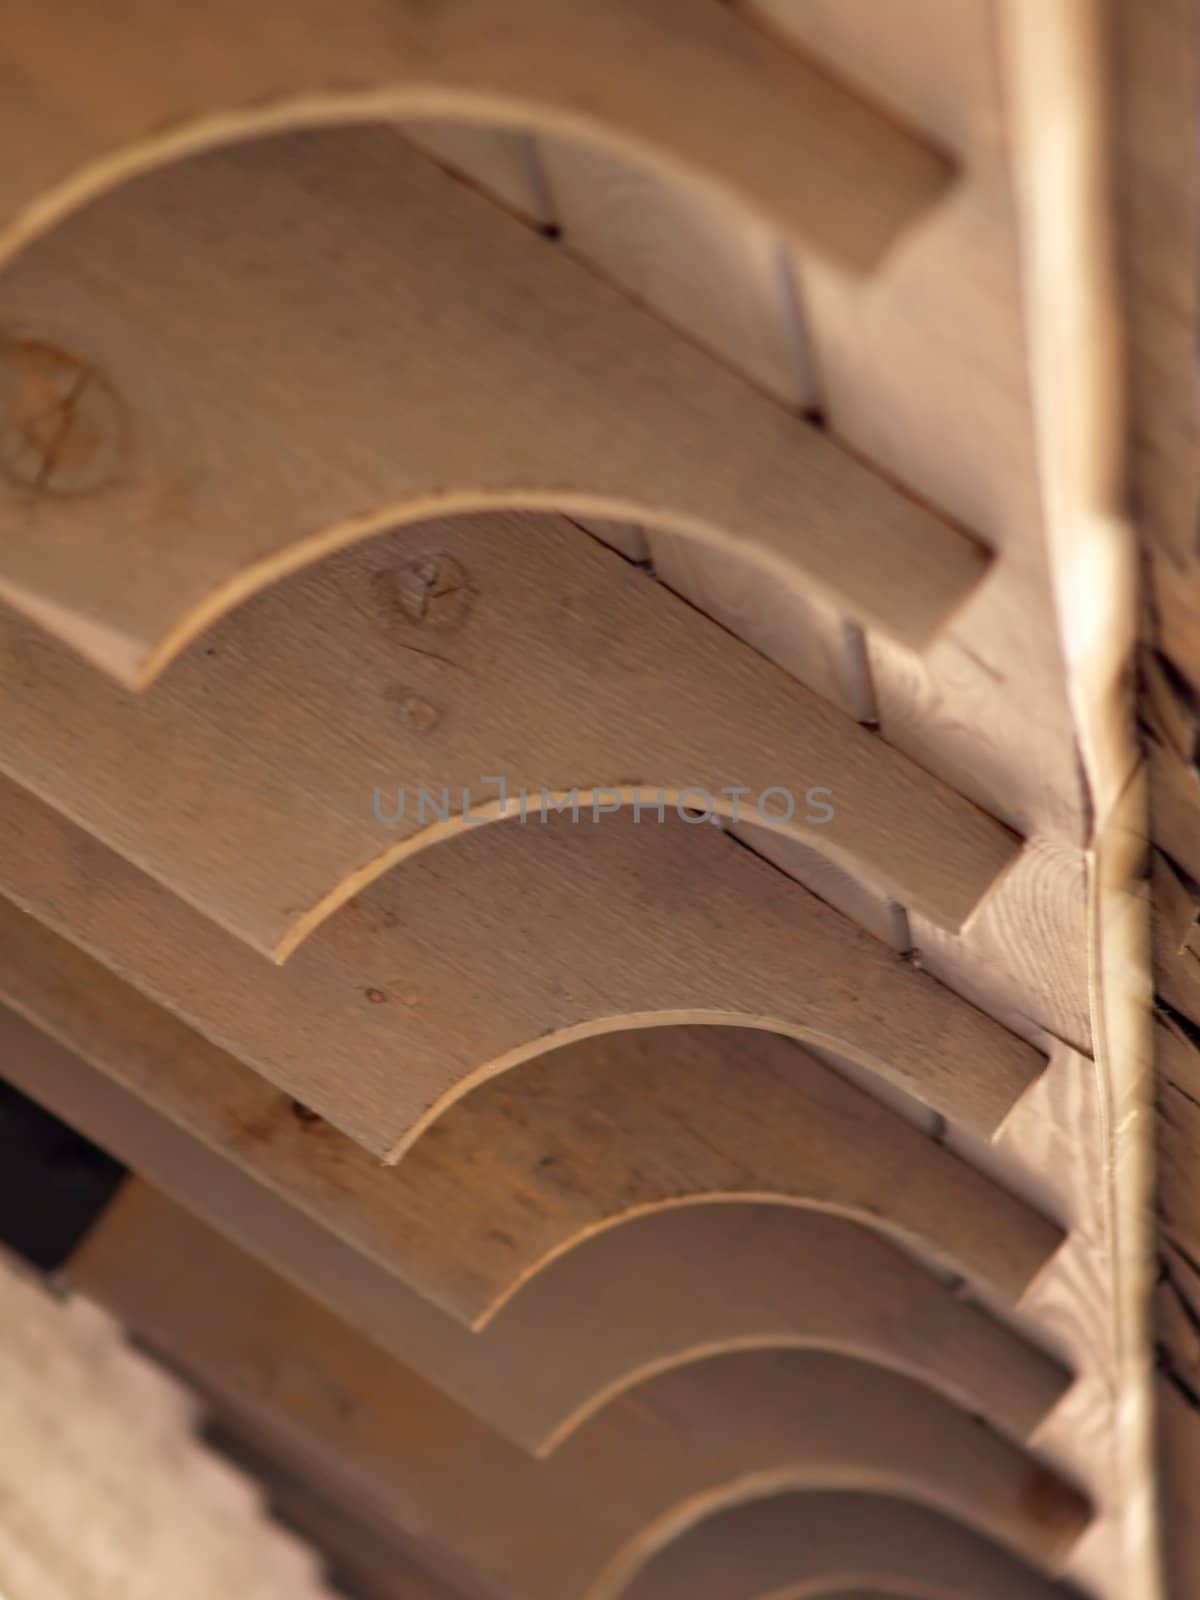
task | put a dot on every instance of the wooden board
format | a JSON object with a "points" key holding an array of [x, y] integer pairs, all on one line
{"points": [[1174, 803], [660, 81], [936, 352], [529, 1165], [688, 1443], [335, 724], [1024, 957], [1176, 940], [505, 942], [797, 1546], [659, 1290], [731, 284], [1177, 1062], [503, 162], [515, 364], [1156, 105]]}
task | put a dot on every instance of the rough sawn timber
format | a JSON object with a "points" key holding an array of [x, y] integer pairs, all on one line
{"points": [[447, 674], [470, 363], [507, 941]]}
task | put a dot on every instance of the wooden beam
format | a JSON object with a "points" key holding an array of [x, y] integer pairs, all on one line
{"points": [[660, 81], [1155, 63], [658, 1290], [648, 1466], [469, 362], [506, 942], [351, 725], [529, 1165], [800, 1546]]}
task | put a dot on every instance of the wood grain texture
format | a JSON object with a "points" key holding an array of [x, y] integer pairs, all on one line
{"points": [[1174, 787], [700, 263], [1053, 1152], [510, 940], [515, 363], [728, 282], [649, 1465], [1174, 591], [503, 162], [934, 351], [525, 1168], [793, 1546], [660, 81], [276, 773], [654, 1291], [1023, 958], [1176, 939], [1156, 92]]}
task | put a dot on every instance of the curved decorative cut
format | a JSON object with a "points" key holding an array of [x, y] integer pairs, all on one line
{"points": [[663, 1290], [531, 1165], [796, 1420], [676, 1287], [657, 80], [799, 1546], [508, 941], [188, 457], [442, 676], [648, 1466]]}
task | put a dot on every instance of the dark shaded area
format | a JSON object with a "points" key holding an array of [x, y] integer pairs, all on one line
{"points": [[54, 1183]]}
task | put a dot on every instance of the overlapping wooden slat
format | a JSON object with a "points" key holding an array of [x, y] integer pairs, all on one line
{"points": [[505, 942], [1176, 939], [799, 1546], [337, 723], [663, 1289], [662, 80], [1156, 70], [689, 1442], [527, 1166], [169, 442], [1174, 795]]}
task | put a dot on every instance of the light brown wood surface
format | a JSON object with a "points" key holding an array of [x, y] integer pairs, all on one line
{"points": [[924, 371], [926, 375], [927, 371], [568, 1145], [516, 368], [793, 1546], [659, 1290], [504, 162], [337, 723], [813, 157], [505, 942], [1178, 1132], [940, 340], [650, 1464]]}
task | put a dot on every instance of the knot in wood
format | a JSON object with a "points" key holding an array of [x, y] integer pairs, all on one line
{"points": [[62, 428], [433, 590]]}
